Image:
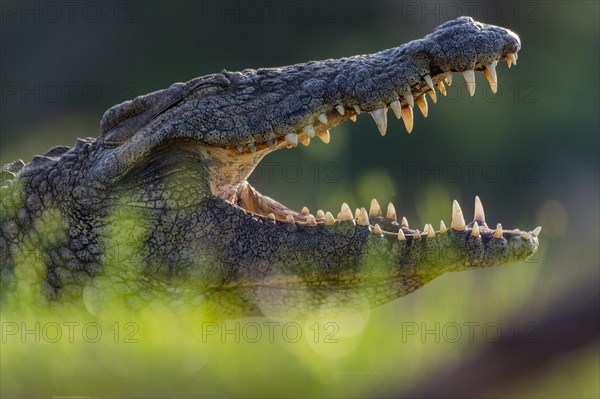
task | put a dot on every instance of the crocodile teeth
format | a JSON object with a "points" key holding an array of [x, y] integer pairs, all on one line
{"points": [[475, 230], [490, 74], [469, 76], [329, 219], [356, 213], [416, 235], [458, 220], [428, 81], [363, 217], [409, 98], [289, 219], [305, 140], [407, 118], [442, 88], [375, 209], [391, 212], [320, 214], [396, 108], [239, 148], [527, 235], [536, 231], [325, 136], [292, 139], [380, 118], [404, 222], [271, 216], [340, 109], [430, 232], [448, 78], [377, 230], [322, 118], [479, 215], [252, 146], [357, 108], [511, 57], [422, 103], [431, 87], [353, 118], [311, 221], [498, 232], [401, 236], [305, 211], [309, 130], [443, 228], [272, 143], [346, 213]]}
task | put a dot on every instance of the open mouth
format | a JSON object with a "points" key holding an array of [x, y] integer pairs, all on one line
{"points": [[231, 165]]}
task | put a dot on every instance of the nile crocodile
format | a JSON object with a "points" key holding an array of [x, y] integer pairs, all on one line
{"points": [[159, 204]]}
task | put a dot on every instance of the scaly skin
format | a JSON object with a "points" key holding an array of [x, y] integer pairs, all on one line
{"points": [[158, 205]]}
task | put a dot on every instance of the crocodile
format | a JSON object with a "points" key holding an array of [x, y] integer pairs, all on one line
{"points": [[159, 206]]}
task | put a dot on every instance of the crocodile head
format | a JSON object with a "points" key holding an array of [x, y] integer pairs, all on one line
{"points": [[169, 169]]}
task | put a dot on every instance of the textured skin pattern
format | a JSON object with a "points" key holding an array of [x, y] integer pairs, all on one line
{"points": [[134, 213]]}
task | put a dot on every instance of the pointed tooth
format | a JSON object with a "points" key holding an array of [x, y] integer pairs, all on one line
{"points": [[407, 118], [401, 236], [492, 78], [309, 130], [410, 99], [377, 230], [320, 214], [272, 143], [431, 88], [292, 139], [329, 219], [442, 88], [252, 146], [322, 118], [536, 231], [346, 213], [509, 62], [428, 81], [271, 216], [375, 209], [458, 220], [516, 57], [416, 235], [357, 108], [325, 136], [469, 76], [239, 148], [305, 211], [289, 219], [443, 228], [498, 232], [430, 232], [512, 58], [422, 103], [527, 236], [475, 230], [404, 222], [448, 78], [396, 108], [479, 215], [305, 140], [311, 221], [391, 212], [340, 109], [380, 118], [363, 217], [433, 96], [353, 118], [356, 213]]}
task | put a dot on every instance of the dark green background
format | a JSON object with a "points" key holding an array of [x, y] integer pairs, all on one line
{"points": [[540, 132]]}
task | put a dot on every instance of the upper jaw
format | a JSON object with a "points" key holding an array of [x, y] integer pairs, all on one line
{"points": [[396, 78]]}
